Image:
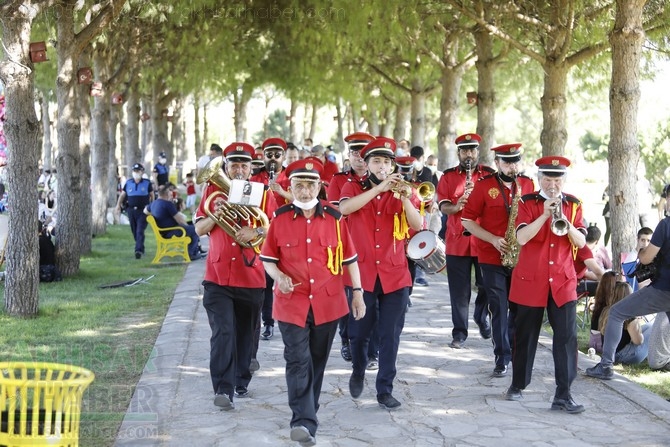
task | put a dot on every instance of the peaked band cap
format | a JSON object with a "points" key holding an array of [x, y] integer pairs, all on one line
{"points": [[553, 165], [380, 146], [274, 143], [405, 162], [468, 140], [508, 152], [238, 152], [309, 168], [358, 140], [258, 159], [138, 167]]}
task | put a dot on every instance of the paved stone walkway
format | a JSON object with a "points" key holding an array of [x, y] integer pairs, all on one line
{"points": [[448, 396]]}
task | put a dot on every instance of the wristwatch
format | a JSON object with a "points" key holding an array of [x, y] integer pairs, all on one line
{"points": [[259, 231]]}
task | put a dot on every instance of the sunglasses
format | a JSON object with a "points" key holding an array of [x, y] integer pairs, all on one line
{"points": [[276, 155]]}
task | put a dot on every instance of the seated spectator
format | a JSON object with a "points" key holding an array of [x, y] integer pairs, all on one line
{"points": [[600, 253], [659, 343], [605, 288], [48, 270], [165, 212], [629, 260], [588, 271], [634, 345]]}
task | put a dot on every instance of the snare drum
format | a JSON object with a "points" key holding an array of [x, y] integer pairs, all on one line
{"points": [[428, 251]]}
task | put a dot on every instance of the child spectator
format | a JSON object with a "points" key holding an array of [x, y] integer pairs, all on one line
{"points": [[190, 193], [603, 291]]}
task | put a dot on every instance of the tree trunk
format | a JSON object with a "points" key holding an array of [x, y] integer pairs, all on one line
{"points": [[205, 129], [85, 217], [554, 134], [372, 118], [451, 86], [100, 149], [293, 136], [418, 117], [486, 96], [340, 123], [199, 147], [46, 133], [385, 126], [315, 116], [68, 161], [132, 153], [115, 120], [177, 138], [623, 152], [21, 129], [159, 132], [242, 98], [402, 115]]}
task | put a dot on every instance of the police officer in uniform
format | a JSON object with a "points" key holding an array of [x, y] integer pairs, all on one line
{"points": [[487, 216], [453, 192], [233, 285], [545, 278], [382, 220], [162, 170], [139, 193], [309, 297]]}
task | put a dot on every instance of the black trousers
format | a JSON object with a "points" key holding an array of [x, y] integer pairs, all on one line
{"points": [[390, 318], [459, 272], [528, 323], [232, 313], [497, 279], [306, 351]]}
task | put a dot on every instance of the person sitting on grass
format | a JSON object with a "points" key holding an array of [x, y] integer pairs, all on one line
{"points": [[604, 290], [659, 343], [634, 345]]}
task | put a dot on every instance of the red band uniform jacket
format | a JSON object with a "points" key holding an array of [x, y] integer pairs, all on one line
{"points": [[304, 249], [264, 177], [546, 262], [380, 253], [449, 189], [486, 206], [228, 264]]}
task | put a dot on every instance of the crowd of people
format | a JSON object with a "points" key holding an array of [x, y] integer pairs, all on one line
{"points": [[324, 253]]}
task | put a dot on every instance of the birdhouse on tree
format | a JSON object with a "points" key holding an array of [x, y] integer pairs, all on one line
{"points": [[117, 98], [38, 52], [85, 75], [96, 89], [473, 98], [144, 117]]}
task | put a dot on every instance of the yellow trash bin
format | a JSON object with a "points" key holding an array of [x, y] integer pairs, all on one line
{"points": [[40, 403]]}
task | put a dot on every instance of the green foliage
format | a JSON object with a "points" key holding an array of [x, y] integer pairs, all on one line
{"points": [[655, 151], [277, 126], [109, 331], [594, 146]]}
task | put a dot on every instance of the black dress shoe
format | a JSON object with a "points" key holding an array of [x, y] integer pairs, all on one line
{"points": [[500, 371], [241, 391], [345, 350], [355, 386], [513, 393], [268, 332], [568, 405], [387, 401]]}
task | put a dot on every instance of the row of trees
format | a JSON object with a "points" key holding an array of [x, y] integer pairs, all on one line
{"points": [[389, 56]]}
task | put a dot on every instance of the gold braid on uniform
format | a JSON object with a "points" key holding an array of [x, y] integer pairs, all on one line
{"points": [[335, 259], [257, 248], [400, 228], [572, 221]]}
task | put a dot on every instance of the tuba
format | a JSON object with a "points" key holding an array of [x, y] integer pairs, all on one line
{"points": [[227, 218]]}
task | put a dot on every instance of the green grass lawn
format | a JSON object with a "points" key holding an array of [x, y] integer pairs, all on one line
{"points": [[109, 331]]}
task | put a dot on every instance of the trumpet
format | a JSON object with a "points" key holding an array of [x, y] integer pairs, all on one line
{"points": [[402, 188], [559, 224], [426, 191]]}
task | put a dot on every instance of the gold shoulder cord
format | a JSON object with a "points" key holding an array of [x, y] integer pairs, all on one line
{"points": [[335, 259]]}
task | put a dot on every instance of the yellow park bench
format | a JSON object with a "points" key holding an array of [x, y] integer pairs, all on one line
{"points": [[169, 247]]}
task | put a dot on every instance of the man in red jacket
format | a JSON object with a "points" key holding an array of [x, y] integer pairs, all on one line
{"points": [[545, 278], [309, 289]]}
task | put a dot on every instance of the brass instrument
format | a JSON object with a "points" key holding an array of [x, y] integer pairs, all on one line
{"points": [[426, 191], [510, 257], [559, 224], [228, 216], [401, 188], [468, 186]]}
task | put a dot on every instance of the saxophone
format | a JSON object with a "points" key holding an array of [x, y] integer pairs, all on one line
{"points": [[510, 257]]}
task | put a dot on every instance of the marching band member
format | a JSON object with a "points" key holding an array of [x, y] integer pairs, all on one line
{"points": [[382, 220], [488, 217], [453, 191], [234, 284], [307, 248], [550, 230]]}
